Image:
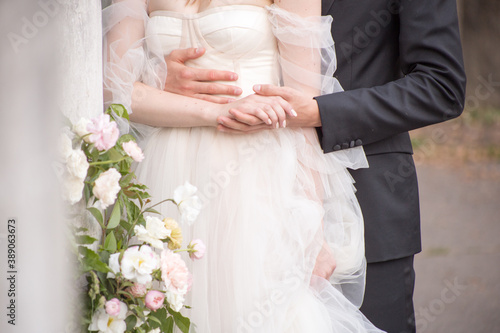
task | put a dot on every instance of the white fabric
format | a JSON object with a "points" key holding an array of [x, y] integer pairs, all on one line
{"points": [[267, 196]]}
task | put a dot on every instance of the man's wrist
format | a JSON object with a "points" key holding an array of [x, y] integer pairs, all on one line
{"points": [[313, 117]]}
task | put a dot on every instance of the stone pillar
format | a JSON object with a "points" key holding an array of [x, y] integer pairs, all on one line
{"points": [[50, 61], [81, 58]]}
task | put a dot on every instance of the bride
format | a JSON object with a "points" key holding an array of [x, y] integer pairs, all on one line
{"points": [[283, 229]]}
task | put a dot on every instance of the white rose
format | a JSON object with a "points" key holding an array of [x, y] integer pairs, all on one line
{"points": [[77, 164], [65, 146], [72, 189], [107, 187], [138, 264], [105, 323], [175, 300], [188, 202], [133, 150], [114, 264], [80, 128], [153, 233]]}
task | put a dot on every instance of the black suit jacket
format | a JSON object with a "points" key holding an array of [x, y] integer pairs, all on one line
{"points": [[400, 62]]}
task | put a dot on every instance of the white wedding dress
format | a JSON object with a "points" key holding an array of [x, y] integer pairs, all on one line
{"points": [[270, 200]]}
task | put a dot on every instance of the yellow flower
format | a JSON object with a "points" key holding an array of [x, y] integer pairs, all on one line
{"points": [[175, 238]]}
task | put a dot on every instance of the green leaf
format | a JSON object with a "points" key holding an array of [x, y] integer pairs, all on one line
{"points": [[86, 192], [85, 239], [94, 153], [166, 323], [182, 322], [97, 214], [114, 155], [158, 321], [125, 180], [140, 186], [114, 220], [132, 210], [119, 110], [125, 225], [151, 210], [125, 138], [131, 321], [110, 242], [169, 326], [91, 261]]}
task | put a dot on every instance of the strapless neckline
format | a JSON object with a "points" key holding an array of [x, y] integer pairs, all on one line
{"points": [[207, 12]]}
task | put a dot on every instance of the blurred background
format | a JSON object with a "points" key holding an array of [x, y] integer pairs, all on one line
{"points": [[458, 164]]}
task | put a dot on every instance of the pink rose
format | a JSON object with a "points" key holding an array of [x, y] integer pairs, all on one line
{"points": [[104, 132], [154, 299], [133, 150], [113, 307], [174, 272], [196, 249], [137, 290]]}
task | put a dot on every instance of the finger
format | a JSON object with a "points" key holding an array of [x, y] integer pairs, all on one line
{"points": [[287, 107], [255, 110], [275, 121], [215, 75], [247, 118], [280, 113], [183, 55], [271, 90], [252, 129], [214, 99], [212, 88], [236, 125]]}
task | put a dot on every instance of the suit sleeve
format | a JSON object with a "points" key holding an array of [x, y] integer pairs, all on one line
{"points": [[431, 91]]}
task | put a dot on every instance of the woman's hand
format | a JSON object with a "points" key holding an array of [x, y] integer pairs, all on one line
{"points": [[255, 113], [325, 263]]}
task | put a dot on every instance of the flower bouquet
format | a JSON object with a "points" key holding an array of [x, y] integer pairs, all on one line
{"points": [[136, 278]]}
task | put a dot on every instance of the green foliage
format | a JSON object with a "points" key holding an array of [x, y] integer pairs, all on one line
{"points": [[182, 322], [91, 261], [110, 242], [117, 223], [119, 110]]}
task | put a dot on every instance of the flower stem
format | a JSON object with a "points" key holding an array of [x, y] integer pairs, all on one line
{"points": [[108, 162], [159, 204]]}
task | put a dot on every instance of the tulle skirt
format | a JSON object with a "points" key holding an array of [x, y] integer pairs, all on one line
{"points": [[270, 202]]}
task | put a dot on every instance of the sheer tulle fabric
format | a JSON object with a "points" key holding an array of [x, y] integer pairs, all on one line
{"points": [[128, 58], [270, 199]]}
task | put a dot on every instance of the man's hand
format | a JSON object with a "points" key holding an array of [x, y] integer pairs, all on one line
{"points": [[196, 82], [305, 106], [325, 263], [305, 111]]}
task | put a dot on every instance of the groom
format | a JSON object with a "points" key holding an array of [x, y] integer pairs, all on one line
{"points": [[400, 62]]}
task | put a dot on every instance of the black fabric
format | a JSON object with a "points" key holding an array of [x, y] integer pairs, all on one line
{"points": [[388, 195], [400, 62], [388, 300]]}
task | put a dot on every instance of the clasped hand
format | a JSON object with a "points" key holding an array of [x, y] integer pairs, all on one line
{"points": [[269, 108]]}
